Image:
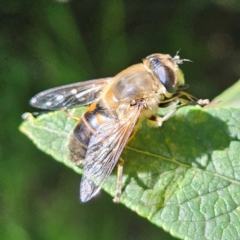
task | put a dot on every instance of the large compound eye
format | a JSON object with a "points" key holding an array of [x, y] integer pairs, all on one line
{"points": [[164, 74], [155, 63], [167, 77]]}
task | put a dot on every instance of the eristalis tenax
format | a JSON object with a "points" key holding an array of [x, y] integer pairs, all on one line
{"points": [[116, 104]]}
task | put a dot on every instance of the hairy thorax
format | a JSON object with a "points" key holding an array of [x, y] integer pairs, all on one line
{"points": [[133, 84]]}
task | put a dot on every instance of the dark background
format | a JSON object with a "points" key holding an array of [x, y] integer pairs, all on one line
{"points": [[48, 43]]}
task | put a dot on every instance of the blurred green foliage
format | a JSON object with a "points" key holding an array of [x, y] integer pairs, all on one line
{"points": [[48, 43]]}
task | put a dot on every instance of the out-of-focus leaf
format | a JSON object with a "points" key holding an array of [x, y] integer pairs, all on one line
{"points": [[184, 176], [230, 97]]}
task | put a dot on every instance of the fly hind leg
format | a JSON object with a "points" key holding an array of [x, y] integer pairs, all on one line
{"points": [[119, 180]]}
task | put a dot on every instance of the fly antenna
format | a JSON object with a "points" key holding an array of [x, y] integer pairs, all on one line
{"points": [[178, 60]]}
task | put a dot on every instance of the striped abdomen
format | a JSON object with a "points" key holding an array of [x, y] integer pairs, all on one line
{"points": [[84, 130]]}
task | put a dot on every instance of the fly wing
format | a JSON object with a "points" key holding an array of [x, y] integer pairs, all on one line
{"points": [[71, 95], [104, 151]]}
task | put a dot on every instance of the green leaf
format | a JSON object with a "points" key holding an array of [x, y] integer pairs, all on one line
{"points": [[230, 97], [183, 176]]}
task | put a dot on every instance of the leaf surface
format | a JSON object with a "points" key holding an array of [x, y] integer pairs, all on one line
{"points": [[230, 97], [183, 176]]}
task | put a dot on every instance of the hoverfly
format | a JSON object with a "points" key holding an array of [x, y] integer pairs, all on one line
{"points": [[116, 104]]}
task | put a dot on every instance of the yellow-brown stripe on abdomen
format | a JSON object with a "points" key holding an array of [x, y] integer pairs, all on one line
{"points": [[83, 132]]}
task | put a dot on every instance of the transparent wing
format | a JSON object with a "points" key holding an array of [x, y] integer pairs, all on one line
{"points": [[104, 150], [71, 95]]}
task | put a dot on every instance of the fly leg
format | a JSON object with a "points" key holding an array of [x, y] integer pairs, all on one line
{"points": [[119, 180], [201, 102], [160, 120], [70, 115]]}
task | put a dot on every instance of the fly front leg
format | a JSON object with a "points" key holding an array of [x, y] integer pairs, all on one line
{"points": [[192, 100], [204, 103], [201, 102], [119, 180]]}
